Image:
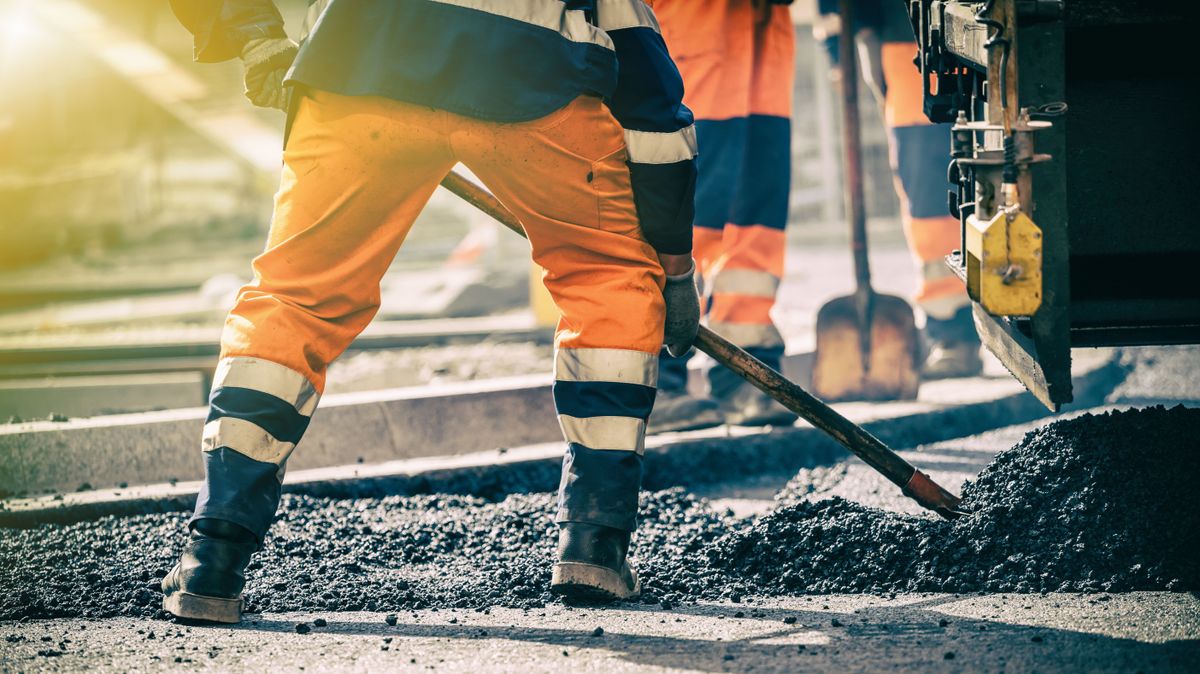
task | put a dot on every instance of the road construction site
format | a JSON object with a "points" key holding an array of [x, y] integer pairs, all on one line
{"points": [[405, 542], [416, 530], [769, 552]]}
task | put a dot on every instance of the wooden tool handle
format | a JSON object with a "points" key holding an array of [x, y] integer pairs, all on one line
{"points": [[850, 435], [483, 200], [855, 202], [847, 433]]}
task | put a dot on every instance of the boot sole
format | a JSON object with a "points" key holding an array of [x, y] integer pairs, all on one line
{"points": [[199, 607], [582, 582]]}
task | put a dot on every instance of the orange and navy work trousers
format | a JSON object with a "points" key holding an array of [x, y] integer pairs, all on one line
{"points": [[736, 58], [919, 153], [357, 171]]}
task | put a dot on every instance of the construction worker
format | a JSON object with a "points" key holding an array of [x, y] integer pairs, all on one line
{"points": [[385, 98], [919, 155], [736, 58]]}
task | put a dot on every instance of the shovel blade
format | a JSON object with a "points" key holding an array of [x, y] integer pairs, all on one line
{"points": [[890, 372]]}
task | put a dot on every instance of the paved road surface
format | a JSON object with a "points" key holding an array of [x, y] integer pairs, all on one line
{"points": [[1149, 632]]}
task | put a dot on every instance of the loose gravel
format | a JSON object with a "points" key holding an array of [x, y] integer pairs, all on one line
{"points": [[1095, 503]]}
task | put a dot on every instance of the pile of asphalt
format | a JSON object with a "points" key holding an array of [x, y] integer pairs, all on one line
{"points": [[1096, 503], [809, 481]]}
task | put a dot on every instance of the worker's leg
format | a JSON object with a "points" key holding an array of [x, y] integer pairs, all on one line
{"points": [[707, 246], [736, 61], [712, 44], [744, 280], [356, 173], [920, 154], [566, 179]]}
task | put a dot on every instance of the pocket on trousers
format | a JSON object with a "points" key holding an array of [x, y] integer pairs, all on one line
{"points": [[614, 194]]}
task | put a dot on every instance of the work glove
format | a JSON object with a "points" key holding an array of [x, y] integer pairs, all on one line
{"points": [[683, 312], [267, 61]]}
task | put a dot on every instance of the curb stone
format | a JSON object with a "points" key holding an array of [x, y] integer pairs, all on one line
{"points": [[672, 460]]}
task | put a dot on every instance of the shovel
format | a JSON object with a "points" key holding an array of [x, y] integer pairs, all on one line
{"points": [[866, 342], [912, 482]]}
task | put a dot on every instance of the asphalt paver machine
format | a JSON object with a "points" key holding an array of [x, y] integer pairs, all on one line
{"points": [[1074, 170]]}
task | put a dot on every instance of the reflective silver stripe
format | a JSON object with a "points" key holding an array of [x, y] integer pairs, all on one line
{"points": [[610, 433], [652, 147], [745, 282], [616, 365], [550, 14], [245, 438], [271, 378], [749, 334], [622, 14]]}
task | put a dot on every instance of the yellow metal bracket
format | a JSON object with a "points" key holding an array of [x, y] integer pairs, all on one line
{"points": [[1004, 263]]}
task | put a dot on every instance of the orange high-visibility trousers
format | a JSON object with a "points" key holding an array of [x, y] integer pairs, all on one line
{"points": [[920, 152], [736, 59], [919, 157], [357, 171]]}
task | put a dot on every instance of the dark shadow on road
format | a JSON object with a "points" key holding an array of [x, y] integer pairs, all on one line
{"points": [[908, 636]]}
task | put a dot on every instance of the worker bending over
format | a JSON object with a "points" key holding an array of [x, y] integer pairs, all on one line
{"points": [[571, 113], [736, 58], [920, 155]]}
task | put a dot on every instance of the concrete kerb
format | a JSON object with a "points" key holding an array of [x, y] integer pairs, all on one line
{"points": [[684, 459], [370, 427], [367, 427]]}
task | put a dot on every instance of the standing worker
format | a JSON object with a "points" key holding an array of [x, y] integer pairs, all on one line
{"points": [[919, 155], [596, 162], [736, 58]]}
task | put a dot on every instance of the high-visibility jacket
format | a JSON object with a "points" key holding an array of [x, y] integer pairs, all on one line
{"points": [[497, 60]]}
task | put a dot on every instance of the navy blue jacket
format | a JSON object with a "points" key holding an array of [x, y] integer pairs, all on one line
{"points": [[498, 60]]}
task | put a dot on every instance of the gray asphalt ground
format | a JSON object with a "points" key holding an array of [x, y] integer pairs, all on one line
{"points": [[1148, 632], [1141, 631]]}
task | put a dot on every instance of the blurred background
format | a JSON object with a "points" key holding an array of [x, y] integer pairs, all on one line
{"points": [[135, 187]]}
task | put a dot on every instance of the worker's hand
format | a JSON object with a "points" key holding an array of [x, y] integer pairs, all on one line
{"points": [[267, 61], [683, 311]]}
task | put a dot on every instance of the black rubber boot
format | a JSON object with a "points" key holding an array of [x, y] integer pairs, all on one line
{"points": [[952, 347], [952, 360], [206, 583], [592, 564]]}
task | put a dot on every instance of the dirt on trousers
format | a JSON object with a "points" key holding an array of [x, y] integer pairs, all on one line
{"points": [[1095, 503]]}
